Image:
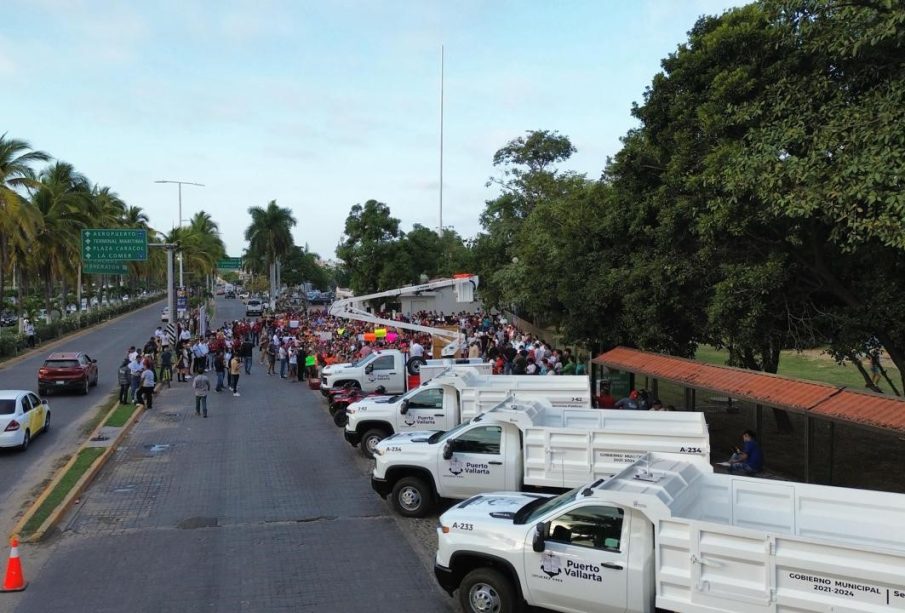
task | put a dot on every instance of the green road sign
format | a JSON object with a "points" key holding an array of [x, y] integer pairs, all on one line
{"points": [[230, 264], [114, 245], [103, 267]]}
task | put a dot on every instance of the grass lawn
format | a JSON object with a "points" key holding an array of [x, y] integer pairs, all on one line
{"points": [[807, 366], [84, 461], [120, 416]]}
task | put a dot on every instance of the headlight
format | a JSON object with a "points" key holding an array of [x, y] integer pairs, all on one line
{"points": [[442, 528], [351, 411], [377, 451]]}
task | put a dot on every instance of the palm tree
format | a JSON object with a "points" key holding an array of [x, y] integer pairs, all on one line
{"points": [[63, 201], [200, 243], [17, 223], [270, 235]]}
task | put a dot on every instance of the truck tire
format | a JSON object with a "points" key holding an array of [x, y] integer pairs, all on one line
{"points": [[414, 365], [485, 590], [369, 439], [412, 497], [340, 418]]}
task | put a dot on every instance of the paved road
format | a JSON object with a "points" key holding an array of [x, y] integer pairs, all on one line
{"points": [[107, 343], [261, 507]]}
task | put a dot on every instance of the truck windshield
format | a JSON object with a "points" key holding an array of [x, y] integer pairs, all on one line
{"points": [[540, 507], [436, 437], [364, 360]]}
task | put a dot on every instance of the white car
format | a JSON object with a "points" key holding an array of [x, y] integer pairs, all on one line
{"points": [[254, 308], [22, 416], [165, 314]]}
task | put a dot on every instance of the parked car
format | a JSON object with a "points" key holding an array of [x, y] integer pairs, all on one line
{"points": [[165, 314], [69, 370], [22, 416], [230, 295]]}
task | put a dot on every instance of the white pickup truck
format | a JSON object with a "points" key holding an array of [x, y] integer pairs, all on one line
{"points": [[451, 397], [669, 534], [526, 444], [389, 369]]}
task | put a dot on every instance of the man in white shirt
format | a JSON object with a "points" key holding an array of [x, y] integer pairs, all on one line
{"points": [[417, 351]]}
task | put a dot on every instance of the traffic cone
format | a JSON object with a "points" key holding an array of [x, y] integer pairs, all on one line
{"points": [[14, 581]]}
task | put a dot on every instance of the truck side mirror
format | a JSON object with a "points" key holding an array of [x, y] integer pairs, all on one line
{"points": [[447, 451], [405, 407], [538, 542]]}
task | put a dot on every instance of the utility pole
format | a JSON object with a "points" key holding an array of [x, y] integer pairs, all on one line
{"points": [[440, 229], [180, 184]]}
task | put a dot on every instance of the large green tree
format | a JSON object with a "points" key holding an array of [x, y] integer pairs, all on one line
{"points": [[17, 220], [370, 251], [269, 235]]}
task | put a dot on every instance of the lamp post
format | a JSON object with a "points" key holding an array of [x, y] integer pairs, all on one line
{"points": [[180, 184]]}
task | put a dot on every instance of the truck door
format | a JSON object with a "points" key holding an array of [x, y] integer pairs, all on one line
{"points": [[383, 371], [584, 566], [425, 411], [476, 465]]}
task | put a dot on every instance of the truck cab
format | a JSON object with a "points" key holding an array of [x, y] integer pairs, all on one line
{"points": [[379, 368], [568, 553], [449, 396]]}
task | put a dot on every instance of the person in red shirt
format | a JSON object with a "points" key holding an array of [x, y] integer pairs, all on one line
{"points": [[605, 400]]}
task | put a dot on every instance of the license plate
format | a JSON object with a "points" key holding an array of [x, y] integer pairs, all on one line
{"points": [[60, 382]]}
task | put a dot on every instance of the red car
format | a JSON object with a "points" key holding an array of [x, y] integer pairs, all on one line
{"points": [[71, 370]]}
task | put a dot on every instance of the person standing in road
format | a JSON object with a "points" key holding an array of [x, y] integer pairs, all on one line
{"points": [[220, 369], [202, 385], [245, 350], [147, 385], [235, 365], [124, 377], [135, 369], [166, 365]]}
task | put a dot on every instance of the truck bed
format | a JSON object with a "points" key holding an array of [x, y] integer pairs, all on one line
{"points": [[766, 545], [481, 392], [565, 447]]}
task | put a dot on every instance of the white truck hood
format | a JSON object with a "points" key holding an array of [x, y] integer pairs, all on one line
{"points": [[491, 508], [483, 523], [405, 449]]}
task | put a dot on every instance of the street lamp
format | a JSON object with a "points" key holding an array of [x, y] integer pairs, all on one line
{"points": [[180, 184]]}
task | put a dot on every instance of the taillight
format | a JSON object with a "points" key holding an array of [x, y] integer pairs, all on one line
{"points": [[42, 371], [12, 427]]}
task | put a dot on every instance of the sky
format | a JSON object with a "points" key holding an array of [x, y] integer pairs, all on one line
{"points": [[321, 105]]}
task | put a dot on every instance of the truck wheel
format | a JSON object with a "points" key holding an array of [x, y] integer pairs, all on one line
{"points": [[340, 418], [369, 440], [485, 590], [412, 497], [414, 365]]}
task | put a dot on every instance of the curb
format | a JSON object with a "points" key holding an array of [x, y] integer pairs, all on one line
{"points": [[81, 484]]}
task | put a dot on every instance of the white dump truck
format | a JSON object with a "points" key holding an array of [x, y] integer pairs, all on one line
{"points": [[519, 445], [451, 397], [388, 369], [669, 534]]}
